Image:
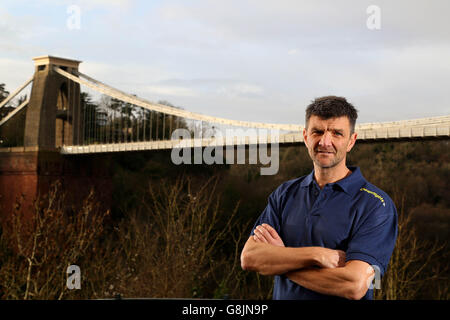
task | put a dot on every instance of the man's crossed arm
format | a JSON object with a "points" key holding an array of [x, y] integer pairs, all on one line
{"points": [[265, 253]]}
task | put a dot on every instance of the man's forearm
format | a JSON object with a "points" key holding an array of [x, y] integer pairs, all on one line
{"points": [[273, 260], [349, 282]]}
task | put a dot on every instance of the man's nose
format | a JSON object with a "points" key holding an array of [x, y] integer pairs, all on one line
{"points": [[325, 141]]}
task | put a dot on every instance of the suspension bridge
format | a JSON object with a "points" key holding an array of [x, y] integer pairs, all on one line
{"points": [[74, 113], [62, 125]]}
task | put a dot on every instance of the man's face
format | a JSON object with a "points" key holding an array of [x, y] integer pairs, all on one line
{"points": [[328, 141]]}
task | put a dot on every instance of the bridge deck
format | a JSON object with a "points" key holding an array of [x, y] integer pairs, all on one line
{"points": [[378, 134]]}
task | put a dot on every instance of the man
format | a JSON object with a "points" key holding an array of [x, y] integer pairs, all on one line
{"points": [[328, 234]]}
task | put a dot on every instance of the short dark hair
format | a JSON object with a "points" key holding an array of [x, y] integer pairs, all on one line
{"points": [[332, 107]]}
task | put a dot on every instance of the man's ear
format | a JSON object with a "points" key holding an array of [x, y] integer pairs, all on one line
{"points": [[352, 141], [305, 137]]}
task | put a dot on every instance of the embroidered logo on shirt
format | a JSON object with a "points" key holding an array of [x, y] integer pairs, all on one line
{"points": [[376, 195]]}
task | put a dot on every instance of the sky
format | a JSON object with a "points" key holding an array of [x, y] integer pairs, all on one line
{"points": [[251, 60]]}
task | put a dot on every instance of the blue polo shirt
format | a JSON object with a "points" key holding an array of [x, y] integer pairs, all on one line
{"points": [[351, 215]]}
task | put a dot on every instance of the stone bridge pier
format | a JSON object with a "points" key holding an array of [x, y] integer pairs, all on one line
{"points": [[45, 125]]}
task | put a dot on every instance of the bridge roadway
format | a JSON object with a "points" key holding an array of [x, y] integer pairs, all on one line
{"points": [[428, 128]]}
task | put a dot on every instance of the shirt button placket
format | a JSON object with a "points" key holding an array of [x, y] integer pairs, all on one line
{"points": [[318, 194]]}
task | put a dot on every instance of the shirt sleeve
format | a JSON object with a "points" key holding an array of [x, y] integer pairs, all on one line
{"points": [[271, 214], [373, 239]]}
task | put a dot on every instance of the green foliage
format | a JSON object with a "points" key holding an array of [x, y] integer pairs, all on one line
{"points": [[11, 132], [3, 92]]}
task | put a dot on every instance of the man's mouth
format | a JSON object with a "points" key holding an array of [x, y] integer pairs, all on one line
{"points": [[324, 152]]}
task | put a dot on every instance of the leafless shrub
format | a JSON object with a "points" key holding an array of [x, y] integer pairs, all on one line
{"points": [[37, 249], [412, 256], [170, 248]]}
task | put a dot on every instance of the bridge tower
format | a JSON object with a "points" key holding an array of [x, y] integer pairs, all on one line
{"points": [[52, 119], [53, 103]]}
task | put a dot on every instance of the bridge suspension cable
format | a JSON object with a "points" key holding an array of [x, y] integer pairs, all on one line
{"points": [[16, 92], [133, 99], [119, 121], [115, 93], [16, 110]]}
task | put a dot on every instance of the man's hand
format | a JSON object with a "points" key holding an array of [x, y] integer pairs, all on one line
{"points": [[326, 258], [329, 258], [266, 234], [265, 253]]}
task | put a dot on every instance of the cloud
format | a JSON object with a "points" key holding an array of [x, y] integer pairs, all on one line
{"points": [[14, 72], [119, 3], [311, 23], [240, 90], [256, 60], [170, 91], [85, 4]]}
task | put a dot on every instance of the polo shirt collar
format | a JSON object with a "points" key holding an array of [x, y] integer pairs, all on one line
{"points": [[308, 180], [349, 185], [353, 182]]}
